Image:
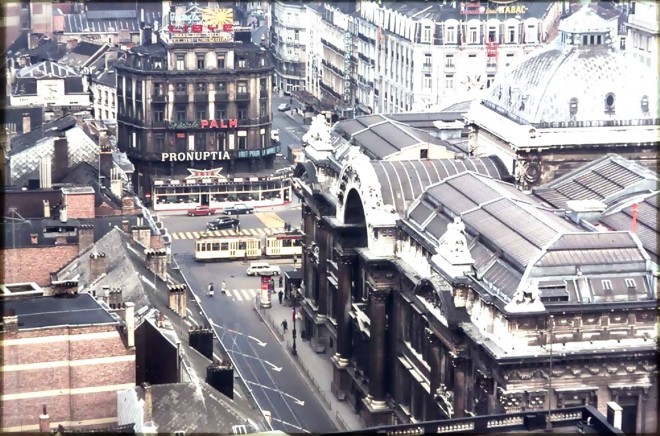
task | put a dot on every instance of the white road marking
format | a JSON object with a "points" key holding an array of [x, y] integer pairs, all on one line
{"points": [[237, 295], [254, 232], [175, 235], [196, 234], [188, 235], [193, 321], [189, 325]]}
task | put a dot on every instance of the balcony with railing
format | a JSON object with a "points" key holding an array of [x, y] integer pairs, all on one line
{"points": [[242, 96], [221, 96], [158, 98]]}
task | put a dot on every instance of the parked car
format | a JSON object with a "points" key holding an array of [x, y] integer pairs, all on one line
{"points": [[238, 209], [201, 210], [284, 107], [263, 269], [222, 222]]}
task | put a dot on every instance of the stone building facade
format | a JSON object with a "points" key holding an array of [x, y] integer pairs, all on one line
{"points": [[442, 297]]}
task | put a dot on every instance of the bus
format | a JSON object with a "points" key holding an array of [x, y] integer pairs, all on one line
{"points": [[238, 247]]}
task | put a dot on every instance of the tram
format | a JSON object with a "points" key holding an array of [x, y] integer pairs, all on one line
{"points": [[239, 247]]}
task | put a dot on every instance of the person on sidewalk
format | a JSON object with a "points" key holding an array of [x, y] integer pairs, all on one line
{"points": [[280, 295], [223, 288], [281, 281], [285, 325], [238, 227], [209, 291]]}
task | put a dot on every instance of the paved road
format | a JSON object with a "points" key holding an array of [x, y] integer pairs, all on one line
{"points": [[275, 382], [291, 132]]}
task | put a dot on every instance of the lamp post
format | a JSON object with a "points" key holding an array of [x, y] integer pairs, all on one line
{"points": [[294, 300], [548, 424]]}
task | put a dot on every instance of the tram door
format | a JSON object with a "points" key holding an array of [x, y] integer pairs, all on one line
{"points": [[204, 199], [287, 193]]}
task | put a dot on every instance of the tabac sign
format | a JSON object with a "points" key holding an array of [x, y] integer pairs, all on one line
{"points": [[492, 7]]}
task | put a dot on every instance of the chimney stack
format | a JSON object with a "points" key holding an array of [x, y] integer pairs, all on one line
{"points": [[61, 157], [148, 404], [46, 209], [85, 237], [97, 266], [141, 234], [45, 173], [44, 421], [63, 215], [124, 225], [106, 164], [157, 262], [177, 299], [635, 208], [130, 323]]}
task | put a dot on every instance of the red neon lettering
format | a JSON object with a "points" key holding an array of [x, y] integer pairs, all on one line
{"points": [[233, 122], [205, 124], [214, 124], [222, 124], [197, 28]]}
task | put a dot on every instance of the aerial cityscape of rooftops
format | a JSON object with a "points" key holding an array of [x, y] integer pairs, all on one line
{"points": [[291, 217]]}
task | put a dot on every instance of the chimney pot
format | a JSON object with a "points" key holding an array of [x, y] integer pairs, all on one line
{"points": [[34, 238], [46, 209], [44, 421]]}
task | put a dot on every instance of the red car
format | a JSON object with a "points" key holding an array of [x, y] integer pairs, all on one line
{"points": [[201, 210]]}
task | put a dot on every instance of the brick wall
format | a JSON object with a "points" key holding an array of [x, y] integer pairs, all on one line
{"points": [[34, 264], [63, 408], [80, 205]]}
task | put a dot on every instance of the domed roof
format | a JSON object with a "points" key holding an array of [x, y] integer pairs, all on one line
{"points": [[578, 77]]}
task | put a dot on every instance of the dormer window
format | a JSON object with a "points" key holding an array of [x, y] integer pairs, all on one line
{"points": [[609, 103], [573, 106], [645, 104]]}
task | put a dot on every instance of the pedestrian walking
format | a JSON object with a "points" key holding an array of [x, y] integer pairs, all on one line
{"points": [[280, 295], [281, 281], [238, 226], [209, 291], [285, 325], [223, 288]]}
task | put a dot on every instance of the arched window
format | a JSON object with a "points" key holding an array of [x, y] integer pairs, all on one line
{"points": [[645, 104], [609, 102]]}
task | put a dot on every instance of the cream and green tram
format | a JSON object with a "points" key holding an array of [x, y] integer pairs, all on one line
{"points": [[284, 245], [227, 248]]}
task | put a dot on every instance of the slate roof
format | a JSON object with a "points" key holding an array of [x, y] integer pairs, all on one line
{"points": [[207, 411], [19, 44], [380, 136], [86, 48], [69, 310], [514, 238], [125, 269], [14, 115], [401, 182], [620, 218], [605, 179], [106, 77], [47, 50], [103, 22], [74, 85]]}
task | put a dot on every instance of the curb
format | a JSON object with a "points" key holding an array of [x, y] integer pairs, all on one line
{"points": [[275, 331]]}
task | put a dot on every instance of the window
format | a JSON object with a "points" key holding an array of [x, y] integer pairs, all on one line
{"points": [[181, 141], [200, 111], [241, 63], [424, 154], [180, 113], [200, 87], [180, 62], [241, 88], [224, 246], [607, 285], [609, 103], [449, 61], [159, 142], [157, 63], [242, 112], [242, 142], [180, 88], [138, 90], [473, 35], [200, 141], [296, 35], [511, 35], [427, 59], [449, 81], [427, 81], [489, 80], [451, 35], [220, 113], [530, 34], [200, 62], [426, 35], [630, 283], [263, 111], [492, 34], [158, 88], [221, 61], [645, 104], [158, 115], [221, 87], [573, 106]]}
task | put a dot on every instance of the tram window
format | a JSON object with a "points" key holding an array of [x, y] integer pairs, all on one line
{"points": [[242, 245], [297, 242], [199, 247], [215, 246], [224, 246], [208, 246], [286, 243]]}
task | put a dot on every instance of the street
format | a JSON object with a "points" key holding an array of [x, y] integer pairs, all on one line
{"points": [[273, 379], [258, 356]]}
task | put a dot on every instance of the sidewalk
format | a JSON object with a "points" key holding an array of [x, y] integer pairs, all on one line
{"points": [[339, 411]]}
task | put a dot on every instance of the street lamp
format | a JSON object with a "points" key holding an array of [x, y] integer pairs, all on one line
{"points": [[294, 300]]}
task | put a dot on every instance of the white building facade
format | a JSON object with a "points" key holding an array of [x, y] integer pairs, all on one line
{"points": [[289, 39], [643, 34], [104, 90]]}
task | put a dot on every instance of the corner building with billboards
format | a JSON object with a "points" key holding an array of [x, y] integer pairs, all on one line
{"points": [[194, 109]]}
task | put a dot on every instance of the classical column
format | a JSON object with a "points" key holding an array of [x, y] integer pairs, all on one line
{"points": [[343, 355], [435, 360], [321, 240], [459, 364], [377, 355]]}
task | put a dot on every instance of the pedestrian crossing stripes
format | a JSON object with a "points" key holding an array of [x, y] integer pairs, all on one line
{"points": [[242, 294], [263, 231]]}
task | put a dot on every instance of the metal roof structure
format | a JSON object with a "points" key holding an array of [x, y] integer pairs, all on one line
{"points": [[401, 182], [60, 311], [105, 22]]}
